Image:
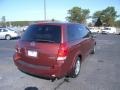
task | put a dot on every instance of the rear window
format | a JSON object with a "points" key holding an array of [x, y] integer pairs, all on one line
{"points": [[43, 33]]}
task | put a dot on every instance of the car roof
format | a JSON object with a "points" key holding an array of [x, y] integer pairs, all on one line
{"points": [[56, 23]]}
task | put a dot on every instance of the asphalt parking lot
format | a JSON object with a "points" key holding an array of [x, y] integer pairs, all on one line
{"points": [[100, 71]]}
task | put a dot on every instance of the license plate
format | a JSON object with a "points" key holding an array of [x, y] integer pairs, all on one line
{"points": [[32, 53]]}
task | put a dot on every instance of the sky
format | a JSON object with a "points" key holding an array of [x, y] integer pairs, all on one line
{"points": [[20, 10]]}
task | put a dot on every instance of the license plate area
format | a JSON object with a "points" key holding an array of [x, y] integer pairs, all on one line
{"points": [[32, 53]]}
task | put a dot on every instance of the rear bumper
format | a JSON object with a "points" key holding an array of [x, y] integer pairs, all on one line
{"points": [[38, 70]]}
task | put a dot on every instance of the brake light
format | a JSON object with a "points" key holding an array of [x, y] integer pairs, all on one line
{"points": [[63, 51], [17, 48]]}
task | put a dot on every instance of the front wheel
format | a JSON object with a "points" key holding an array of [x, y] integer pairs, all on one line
{"points": [[7, 37], [76, 69]]}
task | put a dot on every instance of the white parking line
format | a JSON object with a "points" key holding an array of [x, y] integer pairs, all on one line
{"points": [[0, 78]]}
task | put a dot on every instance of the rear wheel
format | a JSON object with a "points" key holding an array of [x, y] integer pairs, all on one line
{"points": [[7, 37], [76, 69]]}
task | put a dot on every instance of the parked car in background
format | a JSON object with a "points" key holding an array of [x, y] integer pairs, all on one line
{"points": [[53, 49], [94, 30], [7, 33], [25, 27], [108, 30], [117, 31]]}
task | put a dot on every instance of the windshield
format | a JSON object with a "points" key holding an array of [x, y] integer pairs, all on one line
{"points": [[42, 33]]}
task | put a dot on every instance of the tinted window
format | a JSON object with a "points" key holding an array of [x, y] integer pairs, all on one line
{"points": [[4, 30], [0, 30], [89, 34], [43, 33], [73, 32], [77, 31], [84, 32]]}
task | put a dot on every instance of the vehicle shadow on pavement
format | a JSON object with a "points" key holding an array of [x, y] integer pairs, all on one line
{"points": [[31, 88], [61, 83]]}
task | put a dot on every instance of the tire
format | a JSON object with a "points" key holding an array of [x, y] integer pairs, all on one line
{"points": [[76, 69], [7, 37], [93, 50]]}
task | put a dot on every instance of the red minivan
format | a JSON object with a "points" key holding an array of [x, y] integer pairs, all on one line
{"points": [[53, 49]]}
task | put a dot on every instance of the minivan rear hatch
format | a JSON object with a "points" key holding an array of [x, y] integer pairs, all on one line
{"points": [[40, 44]]}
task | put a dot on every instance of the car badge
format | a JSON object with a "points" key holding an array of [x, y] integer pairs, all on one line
{"points": [[32, 44]]}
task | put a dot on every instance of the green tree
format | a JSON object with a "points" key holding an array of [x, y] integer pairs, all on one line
{"points": [[98, 22], [3, 21], [97, 14], [77, 14], [117, 23], [107, 16]]}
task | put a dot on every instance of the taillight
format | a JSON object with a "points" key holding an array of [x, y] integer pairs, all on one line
{"points": [[17, 48], [63, 51]]}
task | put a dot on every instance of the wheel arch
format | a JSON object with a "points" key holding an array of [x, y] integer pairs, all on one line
{"points": [[74, 61], [7, 35]]}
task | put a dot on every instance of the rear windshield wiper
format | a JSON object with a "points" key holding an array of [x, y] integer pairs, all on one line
{"points": [[40, 40]]}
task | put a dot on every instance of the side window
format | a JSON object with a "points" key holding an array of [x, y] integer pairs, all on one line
{"points": [[77, 31], [4, 30], [85, 32], [0, 30], [89, 34], [73, 32], [81, 30]]}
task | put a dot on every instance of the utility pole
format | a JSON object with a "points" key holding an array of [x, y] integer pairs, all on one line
{"points": [[44, 9], [3, 21]]}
